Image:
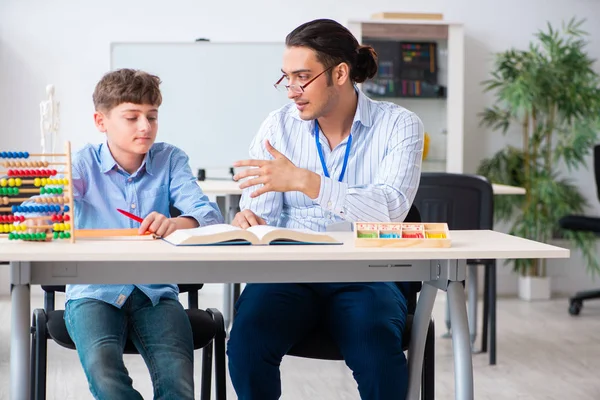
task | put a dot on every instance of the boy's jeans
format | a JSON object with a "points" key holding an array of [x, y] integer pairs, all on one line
{"points": [[162, 334]]}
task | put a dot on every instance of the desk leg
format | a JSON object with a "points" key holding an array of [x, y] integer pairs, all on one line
{"points": [[225, 203], [228, 304], [230, 289], [463, 362], [492, 311], [418, 336], [472, 283], [20, 336]]}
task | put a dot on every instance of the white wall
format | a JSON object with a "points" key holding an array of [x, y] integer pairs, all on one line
{"points": [[67, 43]]}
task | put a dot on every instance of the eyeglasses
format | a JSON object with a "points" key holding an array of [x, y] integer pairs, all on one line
{"points": [[296, 88]]}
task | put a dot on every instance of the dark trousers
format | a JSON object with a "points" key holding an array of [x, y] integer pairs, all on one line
{"points": [[365, 319]]}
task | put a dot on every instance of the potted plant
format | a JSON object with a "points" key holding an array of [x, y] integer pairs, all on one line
{"points": [[550, 94]]}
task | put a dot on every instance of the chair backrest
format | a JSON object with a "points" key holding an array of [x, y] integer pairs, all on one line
{"points": [[462, 201]]}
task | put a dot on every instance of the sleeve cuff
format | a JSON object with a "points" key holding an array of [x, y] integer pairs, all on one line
{"points": [[332, 195], [204, 217]]}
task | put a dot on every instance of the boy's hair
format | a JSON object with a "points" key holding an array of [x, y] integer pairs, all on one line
{"points": [[126, 86], [335, 44]]}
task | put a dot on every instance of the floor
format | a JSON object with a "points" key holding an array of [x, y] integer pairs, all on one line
{"points": [[543, 353]]}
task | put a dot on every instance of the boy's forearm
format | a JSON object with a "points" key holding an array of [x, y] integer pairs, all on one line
{"points": [[185, 222]]}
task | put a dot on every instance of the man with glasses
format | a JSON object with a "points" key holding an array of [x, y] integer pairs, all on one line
{"points": [[332, 155]]}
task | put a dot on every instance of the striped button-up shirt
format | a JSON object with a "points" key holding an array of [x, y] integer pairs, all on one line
{"points": [[381, 177]]}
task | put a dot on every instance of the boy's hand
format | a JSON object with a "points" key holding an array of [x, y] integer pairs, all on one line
{"points": [[32, 227], [245, 219], [158, 224]]}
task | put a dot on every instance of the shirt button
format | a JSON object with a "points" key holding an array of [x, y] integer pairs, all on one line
{"points": [[329, 204], [133, 206], [129, 180]]}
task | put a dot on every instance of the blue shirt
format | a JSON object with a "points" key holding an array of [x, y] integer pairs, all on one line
{"points": [[100, 186], [381, 177]]}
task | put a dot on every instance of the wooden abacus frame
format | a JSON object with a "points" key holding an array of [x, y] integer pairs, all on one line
{"points": [[401, 234], [20, 176]]}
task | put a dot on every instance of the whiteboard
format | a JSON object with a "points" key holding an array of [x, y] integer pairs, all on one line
{"points": [[215, 95]]}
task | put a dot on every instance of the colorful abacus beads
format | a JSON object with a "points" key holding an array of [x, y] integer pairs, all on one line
{"points": [[37, 182], [11, 182], [61, 227], [60, 218], [56, 190], [6, 228], [9, 191], [40, 209], [14, 154], [21, 164], [61, 235], [12, 218], [52, 200], [39, 236], [31, 172]]}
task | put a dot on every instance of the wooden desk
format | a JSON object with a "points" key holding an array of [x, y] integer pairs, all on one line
{"points": [[231, 192], [143, 261]]}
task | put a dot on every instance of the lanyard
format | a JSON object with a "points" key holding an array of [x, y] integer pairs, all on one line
{"points": [[320, 150]]}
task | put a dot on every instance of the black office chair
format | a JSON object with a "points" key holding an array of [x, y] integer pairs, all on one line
{"points": [[319, 344], [464, 202], [584, 223], [208, 328]]}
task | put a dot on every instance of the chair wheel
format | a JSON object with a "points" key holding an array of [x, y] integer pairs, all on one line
{"points": [[575, 307]]}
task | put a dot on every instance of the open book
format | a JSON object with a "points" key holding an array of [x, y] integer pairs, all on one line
{"points": [[223, 234]]}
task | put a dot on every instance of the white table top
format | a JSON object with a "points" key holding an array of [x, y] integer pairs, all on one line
{"points": [[465, 244], [506, 189], [226, 187], [220, 187]]}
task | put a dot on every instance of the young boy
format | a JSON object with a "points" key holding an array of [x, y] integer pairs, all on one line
{"points": [[132, 172]]}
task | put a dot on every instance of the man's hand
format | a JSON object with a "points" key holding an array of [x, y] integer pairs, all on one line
{"points": [[245, 219], [278, 175], [158, 224]]}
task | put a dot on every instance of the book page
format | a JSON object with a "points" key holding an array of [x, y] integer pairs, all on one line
{"points": [[261, 230], [277, 235], [210, 234], [211, 229]]}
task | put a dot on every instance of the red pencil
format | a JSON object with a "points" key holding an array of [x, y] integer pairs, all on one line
{"points": [[130, 215]]}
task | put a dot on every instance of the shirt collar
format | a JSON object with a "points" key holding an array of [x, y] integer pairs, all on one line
{"points": [[108, 163], [363, 114], [363, 109]]}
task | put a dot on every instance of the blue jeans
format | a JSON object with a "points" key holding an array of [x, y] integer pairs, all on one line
{"points": [[162, 334], [365, 319]]}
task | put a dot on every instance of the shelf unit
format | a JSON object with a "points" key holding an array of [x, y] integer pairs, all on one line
{"points": [[443, 117]]}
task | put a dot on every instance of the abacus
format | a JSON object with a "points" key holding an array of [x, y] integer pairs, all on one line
{"points": [[401, 234], [41, 174]]}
